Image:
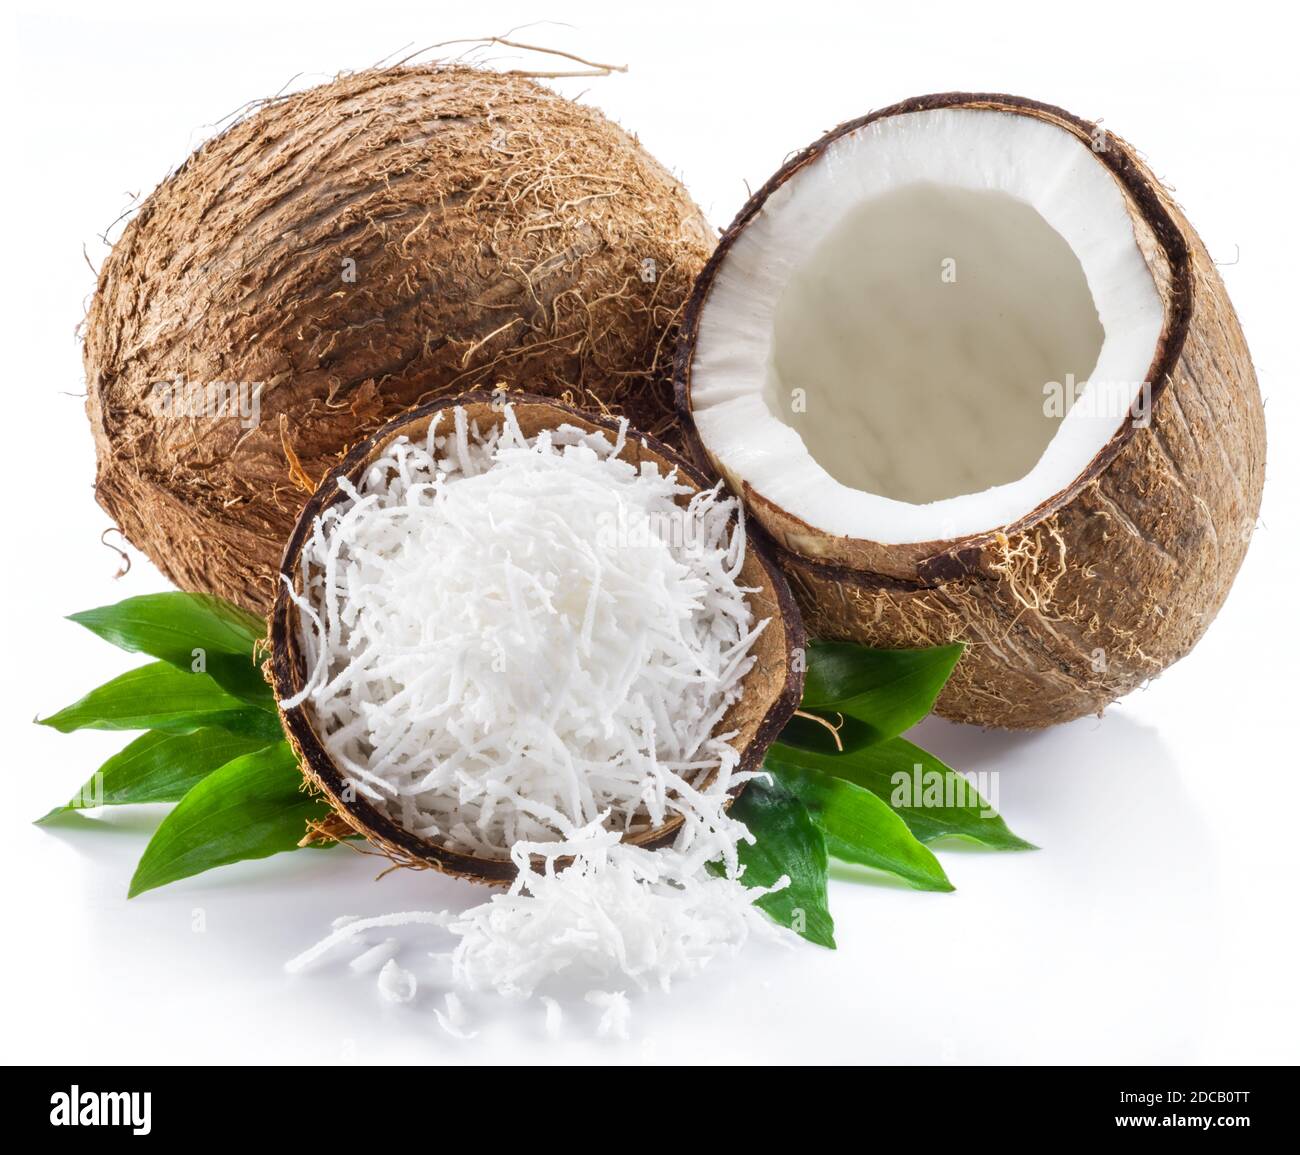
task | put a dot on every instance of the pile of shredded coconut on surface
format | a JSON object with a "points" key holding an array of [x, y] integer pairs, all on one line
{"points": [[522, 647]]}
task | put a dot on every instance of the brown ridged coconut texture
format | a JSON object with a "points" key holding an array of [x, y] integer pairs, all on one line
{"points": [[344, 253], [1117, 576], [770, 691]]}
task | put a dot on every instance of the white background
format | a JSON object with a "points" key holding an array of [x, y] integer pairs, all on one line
{"points": [[1158, 922]]}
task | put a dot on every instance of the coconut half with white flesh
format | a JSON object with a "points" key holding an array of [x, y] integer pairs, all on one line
{"points": [[978, 378], [446, 692]]}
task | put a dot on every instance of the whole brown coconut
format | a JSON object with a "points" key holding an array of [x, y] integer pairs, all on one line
{"points": [[1086, 588], [771, 690], [346, 252]]}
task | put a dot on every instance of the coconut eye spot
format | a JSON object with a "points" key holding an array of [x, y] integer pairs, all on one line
{"points": [[932, 336]]}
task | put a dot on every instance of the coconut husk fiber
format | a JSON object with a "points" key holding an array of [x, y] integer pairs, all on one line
{"points": [[341, 254]]}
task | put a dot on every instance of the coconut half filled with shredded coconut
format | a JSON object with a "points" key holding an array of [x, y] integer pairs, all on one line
{"points": [[978, 378], [524, 645]]}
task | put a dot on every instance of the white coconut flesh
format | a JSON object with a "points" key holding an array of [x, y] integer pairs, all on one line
{"points": [[929, 331], [511, 638]]}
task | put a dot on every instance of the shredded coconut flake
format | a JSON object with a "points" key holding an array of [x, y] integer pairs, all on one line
{"points": [[617, 910], [510, 639], [453, 1021], [375, 957], [615, 1013], [396, 984], [355, 926], [524, 648], [554, 1017]]}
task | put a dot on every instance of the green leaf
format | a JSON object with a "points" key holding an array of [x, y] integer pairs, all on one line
{"points": [[886, 690], [161, 697], [932, 798], [789, 843], [158, 767], [860, 827], [194, 632], [251, 807]]}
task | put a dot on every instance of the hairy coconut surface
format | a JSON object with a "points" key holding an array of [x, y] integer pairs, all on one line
{"points": [[347, 252], [1106, 582], [771, 690]]}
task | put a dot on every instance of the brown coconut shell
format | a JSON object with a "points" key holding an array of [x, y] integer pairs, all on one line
{"points": [[389, 238], [1115, 577], [771, 690]]}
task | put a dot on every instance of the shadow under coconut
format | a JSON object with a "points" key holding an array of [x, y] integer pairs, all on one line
{"points": [[1084, 785], [958, 744]]}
